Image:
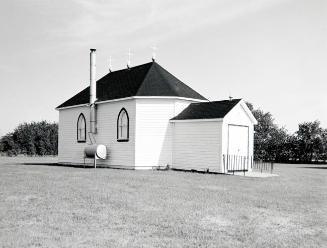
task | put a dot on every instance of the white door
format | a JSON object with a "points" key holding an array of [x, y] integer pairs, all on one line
{"points": [[238, 147]]}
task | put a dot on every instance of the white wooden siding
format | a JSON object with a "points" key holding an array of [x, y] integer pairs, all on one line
{"points": [[152, 139], [154, 132], [197, 145], [69, 150], [120, 154]]}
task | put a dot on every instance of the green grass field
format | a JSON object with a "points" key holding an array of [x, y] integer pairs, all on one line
{"points": [[52, 206]]}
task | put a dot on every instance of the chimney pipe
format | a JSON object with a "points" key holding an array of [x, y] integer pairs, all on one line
{"points": [[93, 91], [92, 76]]}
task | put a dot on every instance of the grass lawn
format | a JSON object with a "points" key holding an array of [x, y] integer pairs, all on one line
{"points": [[52, 206]]}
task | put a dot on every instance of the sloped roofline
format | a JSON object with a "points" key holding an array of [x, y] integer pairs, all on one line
{"points": [[248, 112], [192, 114], [207, 110], [135, 81]]}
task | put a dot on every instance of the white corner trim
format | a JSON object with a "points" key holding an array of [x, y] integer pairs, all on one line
{"points": [[74, 106], [198, 120]]}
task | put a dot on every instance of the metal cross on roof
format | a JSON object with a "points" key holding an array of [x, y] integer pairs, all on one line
{"points": [[110, 65], [129, 58], [154, 48]]}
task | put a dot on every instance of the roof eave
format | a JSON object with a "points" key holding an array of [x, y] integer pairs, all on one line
{"points": [[134, 97], [197, 120], [73, 106], [248, 112]]}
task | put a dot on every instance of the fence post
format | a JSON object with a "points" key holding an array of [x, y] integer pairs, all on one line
{"points": [[233, 164], [224, 162], [252, 161], [244, 166]]}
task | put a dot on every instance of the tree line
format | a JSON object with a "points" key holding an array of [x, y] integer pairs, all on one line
{"points": [[35, 138], [273, 143]]}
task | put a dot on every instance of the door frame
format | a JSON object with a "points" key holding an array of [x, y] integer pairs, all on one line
{"points": [[248, 142]]}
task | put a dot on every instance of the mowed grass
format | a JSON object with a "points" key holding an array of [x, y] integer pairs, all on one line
{"points": [[52, 206]]}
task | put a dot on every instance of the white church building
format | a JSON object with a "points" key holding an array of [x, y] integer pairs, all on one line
{"points": [[146, 118]]}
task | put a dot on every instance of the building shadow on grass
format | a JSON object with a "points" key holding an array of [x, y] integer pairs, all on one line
{"points": [[60, 165], [80, 166], [313, 167]]}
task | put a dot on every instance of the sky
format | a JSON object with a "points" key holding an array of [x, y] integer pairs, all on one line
{"points": [[272, 53]]}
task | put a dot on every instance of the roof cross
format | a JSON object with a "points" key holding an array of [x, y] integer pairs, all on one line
{"points": [[129, 58], [110, 65], [154, 48]]}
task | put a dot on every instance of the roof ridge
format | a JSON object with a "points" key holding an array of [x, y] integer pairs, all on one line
{"points": [[125, 69], [169, 85], [130, 68], [180, 81], [158, 71], [170, 81], [145, 76]]}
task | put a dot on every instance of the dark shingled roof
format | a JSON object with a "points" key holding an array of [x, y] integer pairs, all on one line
{"points": [[144, 80], [207, 110]]}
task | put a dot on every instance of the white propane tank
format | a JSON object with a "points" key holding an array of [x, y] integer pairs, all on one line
{"points": [[96, 151]]}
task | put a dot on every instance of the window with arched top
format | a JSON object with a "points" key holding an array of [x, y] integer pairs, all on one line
{"points": [[122, 126], [81, 128]]}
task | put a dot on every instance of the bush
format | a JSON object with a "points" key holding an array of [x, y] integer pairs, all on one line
{"points": [[36, 138]]}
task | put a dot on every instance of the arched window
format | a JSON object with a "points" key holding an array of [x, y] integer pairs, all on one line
{"points": [[81, 128], [122, 126]]}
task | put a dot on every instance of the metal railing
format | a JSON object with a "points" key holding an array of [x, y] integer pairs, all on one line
{"points": [[236, 163], [263, 166]]}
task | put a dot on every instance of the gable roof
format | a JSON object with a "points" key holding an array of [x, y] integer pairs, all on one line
{"points": [[149, 79], [207, 110]]}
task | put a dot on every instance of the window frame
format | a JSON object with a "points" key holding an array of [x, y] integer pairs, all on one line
{"points": [[81, 115], [118, 126]]}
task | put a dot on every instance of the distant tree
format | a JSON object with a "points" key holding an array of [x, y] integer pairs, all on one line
{"points": [[268, 137], [36, 138], [273, 143], [262, 136], [278, 145], [323, 147], [310, 139], [8, 145]]}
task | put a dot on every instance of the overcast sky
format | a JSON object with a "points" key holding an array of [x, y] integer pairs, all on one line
{"points": [[272, 53]]}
